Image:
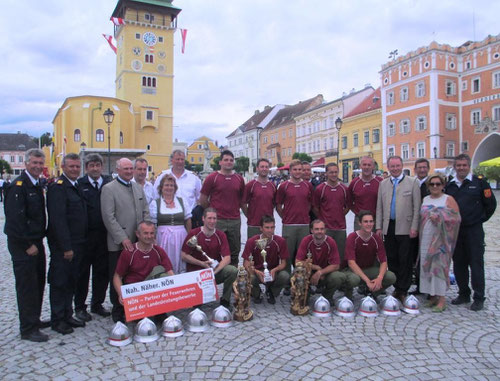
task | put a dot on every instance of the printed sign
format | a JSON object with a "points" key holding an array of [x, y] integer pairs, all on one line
{"points": [[167, 294]]}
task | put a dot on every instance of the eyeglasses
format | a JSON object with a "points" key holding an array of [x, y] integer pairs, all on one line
{"points": [[435, 184]]}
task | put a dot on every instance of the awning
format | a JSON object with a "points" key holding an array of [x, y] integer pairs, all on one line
{"points": [[491, 163], [284, 168], [320, 162]]}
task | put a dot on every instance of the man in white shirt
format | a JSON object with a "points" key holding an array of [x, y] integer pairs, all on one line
{"points": [[140, 173]]}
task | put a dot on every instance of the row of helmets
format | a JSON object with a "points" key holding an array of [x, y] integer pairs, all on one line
{"points": [[146, 331], [344, 307]]}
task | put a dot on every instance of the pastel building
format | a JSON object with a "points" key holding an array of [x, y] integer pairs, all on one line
{"points": [[439, 101], [13, 147], [196, 151]]}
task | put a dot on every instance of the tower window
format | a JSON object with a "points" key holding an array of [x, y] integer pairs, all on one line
{"points": [[149, 17], [149, 58], [77, 135], [149, 115], [99, 135], [148, 147], [137, 36], [160, 38], [121, 137], [148, 81]]}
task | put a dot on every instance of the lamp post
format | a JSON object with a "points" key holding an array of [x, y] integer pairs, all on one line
{"points": [[108, 118], [338, 125]]}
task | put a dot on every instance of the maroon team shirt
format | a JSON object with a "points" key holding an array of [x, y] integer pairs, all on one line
{"points": [[134, 266], [215, 246], [331, 202], [363, 194], [296, 200], [276, 250], [260, 199], [323, 255], [225, 193], [364, 252]]}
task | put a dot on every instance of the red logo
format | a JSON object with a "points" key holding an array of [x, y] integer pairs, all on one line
{"points": [[206, 275]]}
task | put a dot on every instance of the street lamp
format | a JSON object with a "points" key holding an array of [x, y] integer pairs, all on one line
{"points": [[108, 118], [338, 125]]}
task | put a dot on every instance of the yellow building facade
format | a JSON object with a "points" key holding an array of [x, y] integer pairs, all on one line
{"points": [[196, 150], [361, 135], [143, 106]]}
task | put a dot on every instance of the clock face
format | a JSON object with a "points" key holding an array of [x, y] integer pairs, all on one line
{"points": [[149, 38], [137, 50]]}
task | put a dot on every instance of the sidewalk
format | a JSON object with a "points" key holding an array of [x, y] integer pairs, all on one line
{"points": [[457, 344]]}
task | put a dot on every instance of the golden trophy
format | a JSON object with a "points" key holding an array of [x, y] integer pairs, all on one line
{"points": [[242, 288], [300, 286], [193, 242], [261, 244]]}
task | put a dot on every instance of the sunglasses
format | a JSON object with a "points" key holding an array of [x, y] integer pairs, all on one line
{"points": [[435, 184]]}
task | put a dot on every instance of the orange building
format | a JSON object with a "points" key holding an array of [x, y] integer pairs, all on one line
{"points": [[439, 101]]}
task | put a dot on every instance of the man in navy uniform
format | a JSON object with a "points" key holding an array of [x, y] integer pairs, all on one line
{"points": [[477, 204], [25, 225]]}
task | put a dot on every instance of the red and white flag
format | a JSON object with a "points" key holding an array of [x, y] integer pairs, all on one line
{"points": [[110, 41], [183, 35], [117, 21]]}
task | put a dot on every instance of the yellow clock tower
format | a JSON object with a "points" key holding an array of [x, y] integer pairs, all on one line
{"points": [[145, 73]]}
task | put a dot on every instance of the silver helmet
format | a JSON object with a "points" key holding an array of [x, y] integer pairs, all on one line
{"points": [[172, 327], [411, 305], [344, 307], [197, 321], [389, 306], [221, 317], [321, 307], [368, 307], [119, 336], [146, 331]]}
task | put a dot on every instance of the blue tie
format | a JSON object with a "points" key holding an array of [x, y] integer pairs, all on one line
{"points": [[393, 201]]}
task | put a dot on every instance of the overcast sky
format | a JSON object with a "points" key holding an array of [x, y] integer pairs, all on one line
{"points": [[241, 55]]}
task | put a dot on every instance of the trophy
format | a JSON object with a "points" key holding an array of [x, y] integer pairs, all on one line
{"points": [[299, 290], [242, 289], [261, 244], [193, 242]]}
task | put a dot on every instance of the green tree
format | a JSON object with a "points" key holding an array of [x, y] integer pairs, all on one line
{"points": [[302, 157], [242, 164], [197, 168], [215, 163], [5, 167], [188, 165], [491, 173], [279, 165], [43, 140]]}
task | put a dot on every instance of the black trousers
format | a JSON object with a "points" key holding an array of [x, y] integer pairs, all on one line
{"points": [[63, 275], [29, 272], [469, 252], [117, 312], [95, 256], [399, 257], [415, 248]]}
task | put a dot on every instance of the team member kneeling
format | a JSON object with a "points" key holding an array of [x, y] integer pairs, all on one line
{"points": [[363, 249], [276, 257]]}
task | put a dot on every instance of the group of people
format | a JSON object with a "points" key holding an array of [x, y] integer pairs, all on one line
{"points": [[128, 230]]}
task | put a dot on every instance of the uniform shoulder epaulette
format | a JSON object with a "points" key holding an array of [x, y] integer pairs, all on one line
{"points": [[480, 177], [19, 183], [59, 182]]}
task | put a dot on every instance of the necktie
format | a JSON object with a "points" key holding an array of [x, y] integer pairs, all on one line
{"points": [[96, 185], [393, 200]]}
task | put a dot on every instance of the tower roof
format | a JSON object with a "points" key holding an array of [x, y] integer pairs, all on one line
{"points": [[162, 6]]}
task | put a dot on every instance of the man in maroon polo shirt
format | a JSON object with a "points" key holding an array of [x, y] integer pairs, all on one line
{"points": [[293, 203], [276, 259], [363, 190], [223, 190], [365, 254], [258, 198], [137, 265], [325, 259], [214, 243], [331, 203]]}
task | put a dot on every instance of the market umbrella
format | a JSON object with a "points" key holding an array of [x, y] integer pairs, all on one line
{"points": [[491, 163]]}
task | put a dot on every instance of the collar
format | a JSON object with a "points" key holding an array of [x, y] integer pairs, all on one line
{"points": [[99, 180], [400, 177], [367, 181], [458, 182], [184, 173], [33, 180], [73, 182], [123, 182], [423, 180]]}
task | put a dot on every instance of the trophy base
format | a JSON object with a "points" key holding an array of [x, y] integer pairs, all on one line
{"points": [[243, 316], [301, 311]]}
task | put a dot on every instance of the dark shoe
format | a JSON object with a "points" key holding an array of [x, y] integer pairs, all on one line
{"points": [[44, 324], [477, 305], [62, 327], [416, 292], [100, 310], [72, 322], [118, 318], [399, 295], [286, 292], [460, 299], [257, 299], [270, 297], [225, 303], [35, 336], [83, 315]]}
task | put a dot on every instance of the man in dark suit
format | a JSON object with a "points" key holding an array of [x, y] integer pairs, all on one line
{"points": [[67, 236], [96, 250]]}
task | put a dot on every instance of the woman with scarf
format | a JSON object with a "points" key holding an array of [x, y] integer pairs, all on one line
{"points": [[439, 225]]}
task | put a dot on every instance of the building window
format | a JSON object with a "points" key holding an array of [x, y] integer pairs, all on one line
{"points": [[405, 151], [366, 137], [468, 65], [20, 159], [199, 159], [390, 151], [391, 129], [137, 36], [451, 121], [77, 135], [355, 142], [390, 98], [99, 135], [496, 80], [420, 89], [344, 142], [421, 149], [12, 159], [450, 149], [421, 123], [148, 147], [283, 134], [149, 17], [475, 117], [464, 85], [325, 144], [121, 137], [160, 39], [290, 133], [403, 94], [148, 81], [451, 88], [404, 126], [475, 85], [376, 135], [496, 113], [150, 115], [265, 139], [192, 159], [149, 58], [465, 146]]}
